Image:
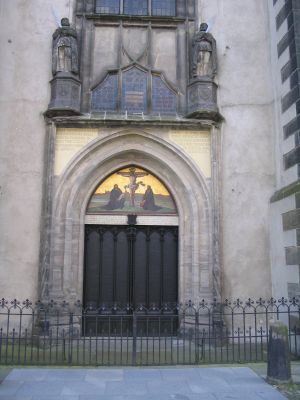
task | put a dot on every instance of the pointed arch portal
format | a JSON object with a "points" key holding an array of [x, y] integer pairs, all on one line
{"points": [[189, 225]]}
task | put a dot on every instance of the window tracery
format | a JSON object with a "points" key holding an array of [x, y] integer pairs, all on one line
{"points": [[140, 92], [137, 7]]}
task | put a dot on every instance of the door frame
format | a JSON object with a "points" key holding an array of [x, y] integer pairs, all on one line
{"points": [[62, 254]]}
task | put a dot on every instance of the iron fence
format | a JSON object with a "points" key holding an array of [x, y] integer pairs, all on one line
{"points": [[110, 335]]}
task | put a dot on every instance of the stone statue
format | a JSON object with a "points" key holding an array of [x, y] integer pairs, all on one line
{"points": [[202, 88], [65, 49], [204, 57]]}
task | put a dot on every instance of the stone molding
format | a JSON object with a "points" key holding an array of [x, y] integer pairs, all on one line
{"points": [[199, 270]]}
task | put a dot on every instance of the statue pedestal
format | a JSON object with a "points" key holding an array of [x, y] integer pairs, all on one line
{"points": [[65, 95], [202, 100]]}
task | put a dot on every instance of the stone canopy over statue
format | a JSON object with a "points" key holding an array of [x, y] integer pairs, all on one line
{"points": [[65, 49], [204, 57]]}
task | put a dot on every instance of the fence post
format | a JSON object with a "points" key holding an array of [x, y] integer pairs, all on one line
{"points": [[197, 339], [70, 338], [279, 366], [134, 337]]}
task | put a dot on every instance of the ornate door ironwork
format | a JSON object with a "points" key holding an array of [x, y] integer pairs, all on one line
{"points": [[130, 265]]}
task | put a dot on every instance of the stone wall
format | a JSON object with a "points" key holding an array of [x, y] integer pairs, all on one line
{"points": [[247, 165], [25, 70], [245, 99]]}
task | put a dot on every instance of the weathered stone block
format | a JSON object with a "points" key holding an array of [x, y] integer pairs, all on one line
{"points": [[279, 366], [291, 219], [294, 290], [65, 96], [202, 100], [292, 255]]}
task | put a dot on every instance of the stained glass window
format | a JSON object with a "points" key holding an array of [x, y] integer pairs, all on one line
{"points": [[104, 96], [164, 100], [164, 7], [136, 7], [108, 6], [134, 91]]}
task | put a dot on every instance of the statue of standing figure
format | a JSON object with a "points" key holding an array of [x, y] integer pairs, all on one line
{"points": [[65, 49], [204, 56]]}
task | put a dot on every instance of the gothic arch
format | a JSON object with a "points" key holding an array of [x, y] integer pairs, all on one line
{"points": [[96, 161]]}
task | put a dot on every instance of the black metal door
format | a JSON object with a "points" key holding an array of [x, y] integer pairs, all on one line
{"points": [[134, 265], [128, 265]]}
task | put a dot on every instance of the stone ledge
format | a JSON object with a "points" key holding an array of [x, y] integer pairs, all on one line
{"points": [[92, 121], [291, 219], [286, 191], [292, 255]]}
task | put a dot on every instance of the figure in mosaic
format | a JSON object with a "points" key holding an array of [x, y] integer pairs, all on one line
{"points": [[148, 202], [116, 199], [133, 184]]}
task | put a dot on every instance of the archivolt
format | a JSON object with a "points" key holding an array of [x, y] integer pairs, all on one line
{"points": [[99, 159]]}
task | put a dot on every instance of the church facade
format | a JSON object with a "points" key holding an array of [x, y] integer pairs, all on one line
{"points": [[160, 164]]}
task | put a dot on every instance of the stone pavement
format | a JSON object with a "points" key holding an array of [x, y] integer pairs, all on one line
{"points": [[230, 383]]}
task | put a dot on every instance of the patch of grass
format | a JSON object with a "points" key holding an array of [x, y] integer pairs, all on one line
{"points": [[101, 351], [290, 390]]}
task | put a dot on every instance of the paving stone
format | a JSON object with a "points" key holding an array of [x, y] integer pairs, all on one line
{"points": [[249, 395], [101, 397], [27, 374], [65, 374], [83, 387], [222, 373], [62, 397], [119, 388], [198, 396], [127, 397], [270, 394], [217, 370], [243, 371], [209, 385], [161, 396], [197, 388], [4, 372], [142, 374], [105, 374], [7, 397], [171, 387], [180, 374], [136, 384], [237, 395], [203, 396], [251, 381], [35, 388], [9, 388]]}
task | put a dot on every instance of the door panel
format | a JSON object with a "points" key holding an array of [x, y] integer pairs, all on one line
{"points": [[127, 265], [140, 276], [107, 270], [154, 269], [121, 271]]}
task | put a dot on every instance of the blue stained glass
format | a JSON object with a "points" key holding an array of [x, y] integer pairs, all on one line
{"points": [[164, 100], [164, 7], [104, 96], [134, 91], [108, 6], [136, 7]]}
